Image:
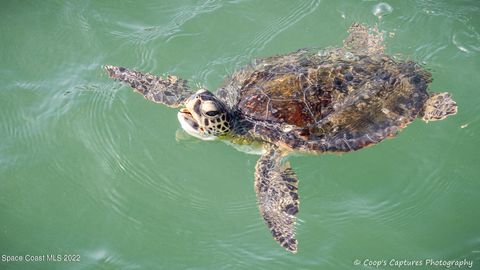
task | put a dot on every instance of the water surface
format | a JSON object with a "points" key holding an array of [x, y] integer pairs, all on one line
{"points": [[87, 167]]}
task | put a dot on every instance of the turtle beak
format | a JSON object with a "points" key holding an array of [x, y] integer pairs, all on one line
{"points": [[185, 117], [185, 110], [191, 126]]}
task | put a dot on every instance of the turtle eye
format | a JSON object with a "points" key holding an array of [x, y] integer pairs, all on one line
{"points": [[212, 113]]}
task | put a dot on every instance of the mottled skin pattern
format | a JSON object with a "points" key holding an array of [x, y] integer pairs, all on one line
{"points": [[310, 101], [171, 91]]}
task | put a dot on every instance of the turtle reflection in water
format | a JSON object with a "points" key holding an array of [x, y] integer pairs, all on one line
{"points": [[309, 101]]}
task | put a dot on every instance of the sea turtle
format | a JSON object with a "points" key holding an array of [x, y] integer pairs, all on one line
{"points": [[308, 101]]}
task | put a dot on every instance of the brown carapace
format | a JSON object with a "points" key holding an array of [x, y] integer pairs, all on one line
{"points": [[330, 102]]}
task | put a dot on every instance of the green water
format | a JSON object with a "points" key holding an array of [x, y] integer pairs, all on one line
{"points": [[89, 168]]}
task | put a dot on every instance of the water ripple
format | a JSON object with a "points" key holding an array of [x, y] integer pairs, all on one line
{"points": [[467, 42], [279, 25], [119, 203], [146, 58], [145, 34], [398, 207], [242, 207], [106, 259], [103, 126]]}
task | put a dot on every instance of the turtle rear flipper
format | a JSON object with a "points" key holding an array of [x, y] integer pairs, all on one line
{"points": [[171, 91], [438, 107], [361, 39]]}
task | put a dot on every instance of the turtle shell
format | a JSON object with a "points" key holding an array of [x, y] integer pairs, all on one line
{"points": [[329, 100]]}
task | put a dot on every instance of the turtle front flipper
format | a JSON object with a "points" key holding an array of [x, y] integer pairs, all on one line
{"points": [[276, 188], [171, 91], [438, 106]]}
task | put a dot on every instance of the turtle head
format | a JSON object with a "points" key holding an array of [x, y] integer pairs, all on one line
{"points": [[204, 116]]}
